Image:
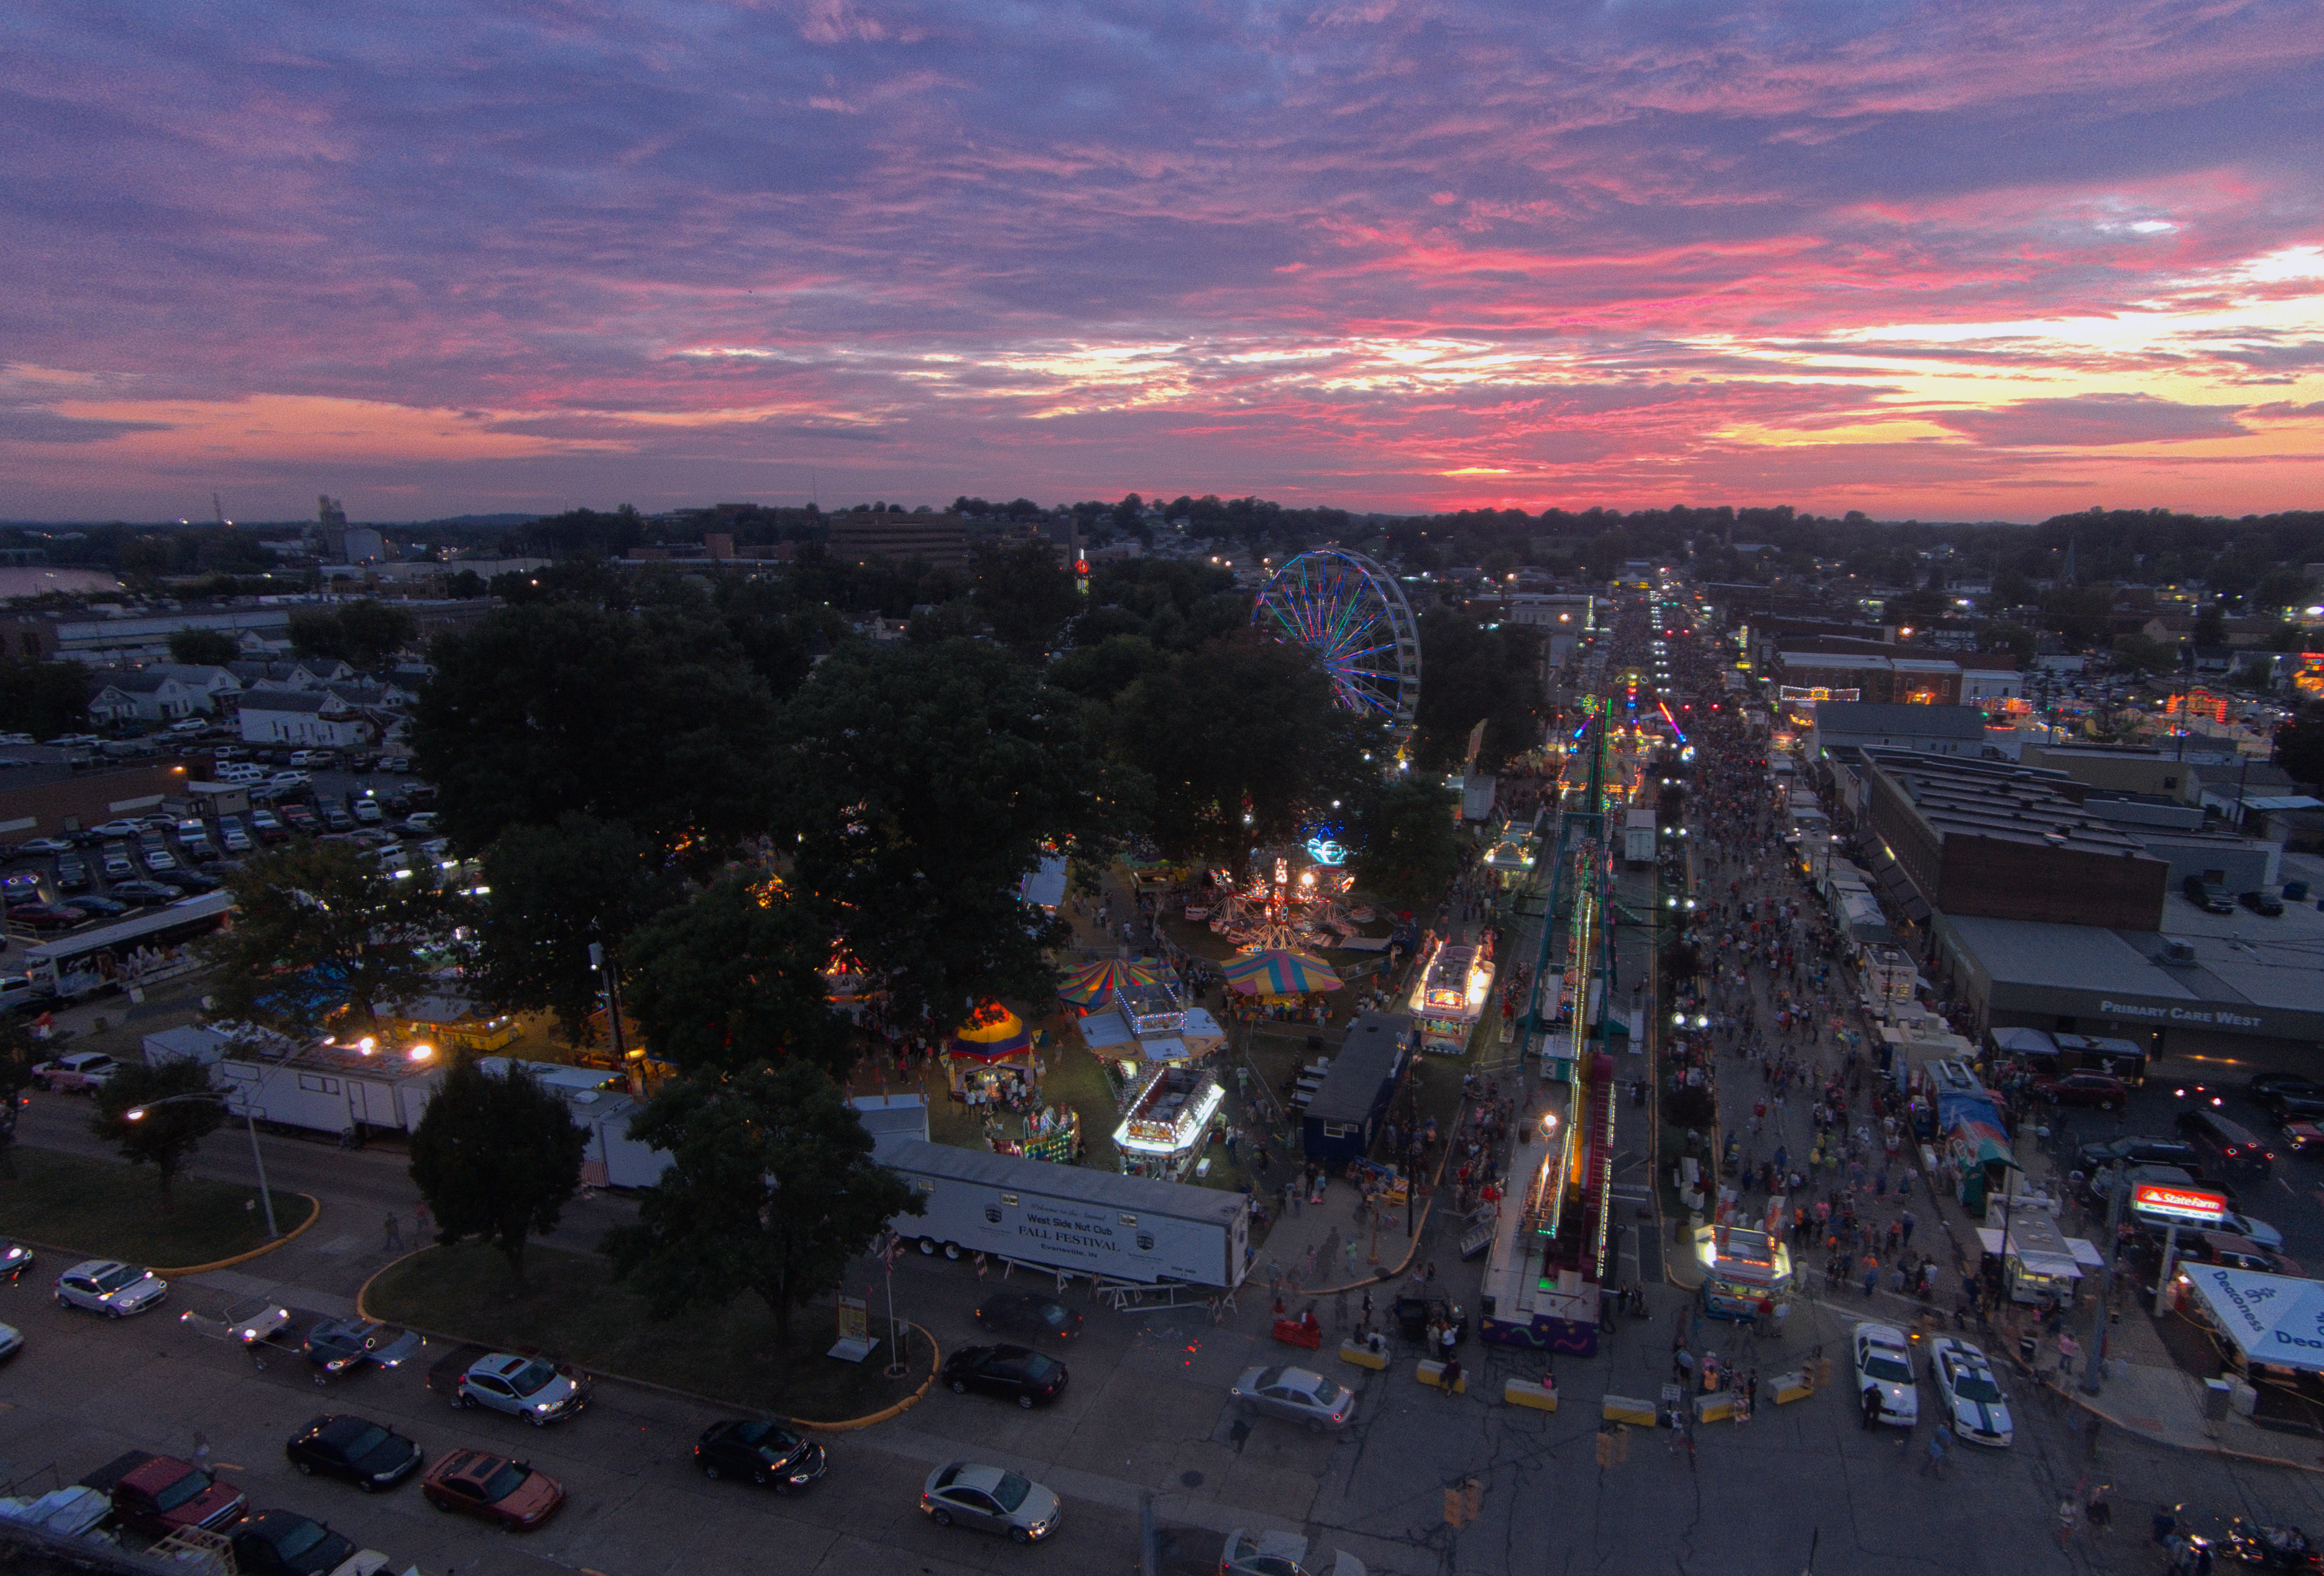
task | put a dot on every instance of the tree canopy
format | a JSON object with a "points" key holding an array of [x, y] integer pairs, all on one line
{"points": [[555, 890], [211, 648], [651, 719], [918, 786], [363, 635], [1406, 841], [736, 977], [166, 1136], [1469, 675], [772, 1189], [316, 928], [497, 1156], [1244, 746]]}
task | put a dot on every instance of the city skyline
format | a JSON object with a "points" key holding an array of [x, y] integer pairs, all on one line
{"points": [[1380, 256]]}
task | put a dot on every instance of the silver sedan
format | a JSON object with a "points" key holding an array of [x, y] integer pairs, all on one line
{"points": [[1297, 1395]]}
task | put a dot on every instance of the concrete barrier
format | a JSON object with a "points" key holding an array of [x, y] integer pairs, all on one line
{"points": [[1791, 1387], [1364, 1355], [1431, 1373], [1542, 1397], [1718, 1406], [1624, 1409]]}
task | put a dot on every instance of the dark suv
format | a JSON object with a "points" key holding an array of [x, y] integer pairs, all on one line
{"points": [[2229, 1148], [2141, 1152]]}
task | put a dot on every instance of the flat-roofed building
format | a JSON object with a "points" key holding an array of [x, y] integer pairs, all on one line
{"points": [[939, 539]]}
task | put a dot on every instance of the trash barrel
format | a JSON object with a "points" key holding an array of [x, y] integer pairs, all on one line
{"points": [[2027, 1345]]}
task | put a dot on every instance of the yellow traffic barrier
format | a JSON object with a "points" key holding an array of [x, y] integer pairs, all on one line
{"points": [[1791, 1387], [1624, 1409], [1432, 1374], [1542, 1397], [1718, 1406], [1372, 1355]]}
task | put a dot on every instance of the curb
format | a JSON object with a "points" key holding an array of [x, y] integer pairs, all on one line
{"points": [[2169, 1443], [314, 1213], [845, 1425]]}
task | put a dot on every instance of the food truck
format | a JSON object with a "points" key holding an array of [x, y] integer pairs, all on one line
{"points": [[1745, 1272], [1169, 1123], [1451, 996], [2037, 1259]]}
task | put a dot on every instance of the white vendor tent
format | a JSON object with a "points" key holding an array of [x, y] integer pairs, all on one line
{"points": [[2272, 1319]]}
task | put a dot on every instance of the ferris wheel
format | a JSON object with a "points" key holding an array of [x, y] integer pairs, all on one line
{"points": [[1351, 614]]}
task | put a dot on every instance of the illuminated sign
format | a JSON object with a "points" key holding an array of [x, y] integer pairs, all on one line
{"points": [[2194, 1206], [1815, 693], [1324, 851]]}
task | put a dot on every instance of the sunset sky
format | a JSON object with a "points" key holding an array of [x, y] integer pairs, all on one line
{"points": [[1958, 261]]}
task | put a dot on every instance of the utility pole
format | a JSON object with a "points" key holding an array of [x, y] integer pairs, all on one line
{"points": [[2094, 1359]]}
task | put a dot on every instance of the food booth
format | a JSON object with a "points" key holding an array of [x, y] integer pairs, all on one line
{"points": [[989, 1054], [1451, 996], [1745, 1272], [1169, 1123], [2038, 1260]]}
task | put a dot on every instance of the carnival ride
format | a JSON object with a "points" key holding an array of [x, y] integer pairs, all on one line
{"points": [[1351, 613]]}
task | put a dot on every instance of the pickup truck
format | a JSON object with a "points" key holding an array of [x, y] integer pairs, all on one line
{"points": [[160, 1495], [82, 1072]]}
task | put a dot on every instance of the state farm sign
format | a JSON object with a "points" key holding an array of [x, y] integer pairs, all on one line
{"points": [[2193, 1205]]}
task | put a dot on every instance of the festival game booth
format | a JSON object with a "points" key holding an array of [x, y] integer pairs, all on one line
{"points": [[1169, 1122], [1745, 1272], [989, 1053]]}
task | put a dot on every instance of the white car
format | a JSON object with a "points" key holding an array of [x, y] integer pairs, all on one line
{"points": [[1979, 1411], [12, 1341], [1884, 1361], [1295, 1396], [119, 829], [1275, 1553], [254, 1322], [532, 1388], [2261, 1233], [108, 1287]]}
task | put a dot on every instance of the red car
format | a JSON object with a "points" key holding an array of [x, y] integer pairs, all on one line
{"points": [[45, 916], [2084, 1088], [2303, 1137], [164, 1495], [492, 1487]]}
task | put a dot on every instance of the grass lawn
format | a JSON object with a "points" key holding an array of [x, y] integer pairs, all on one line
{"points": [[575, 1312], [111, 1211]]}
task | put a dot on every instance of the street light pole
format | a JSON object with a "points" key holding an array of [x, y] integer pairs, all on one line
{"points": [[250, 1118]]}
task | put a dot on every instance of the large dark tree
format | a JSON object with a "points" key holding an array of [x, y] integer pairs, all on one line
{"points": [[497, 1156], [204, 647], [317, 929], [736, 977], [164, 1137], [2299, 745], [772, 1189], [554, 891], [43, 698], [916, 789], [365, 635], [651, 719], [1025, 594], [1471, 675], [1244, 746], [1405, 840]]}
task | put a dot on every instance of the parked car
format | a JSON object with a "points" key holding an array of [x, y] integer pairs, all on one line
{"points": [[368, 811], [97, 908], [47, 916], [2303, 1137], [145, 893], [15, 1258], [12, 1341], [72, 874], [538, 1391], [318, 759], [81, 1072], [370, 1455], [163, 1495], [1297, 1395], [282, 1542], [119, 829], [231, 837], [45, 846], [1884, 1361], [2266, 903], [1973, 1400], [1028, 1314], [1275, 1553], [116, 863], [336, 818], [990, 1500], [2234, 1252], [2270, 1084], [2084, 1088], [2258, 1232], [398, 763], [2205, 896], [268, 826], [509, 1493], [338, 1345], [765, 1453], [108, 1287], [1014, 1372]]}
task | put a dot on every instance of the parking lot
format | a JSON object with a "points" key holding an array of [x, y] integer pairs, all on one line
{"points": [[117, 868]]}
